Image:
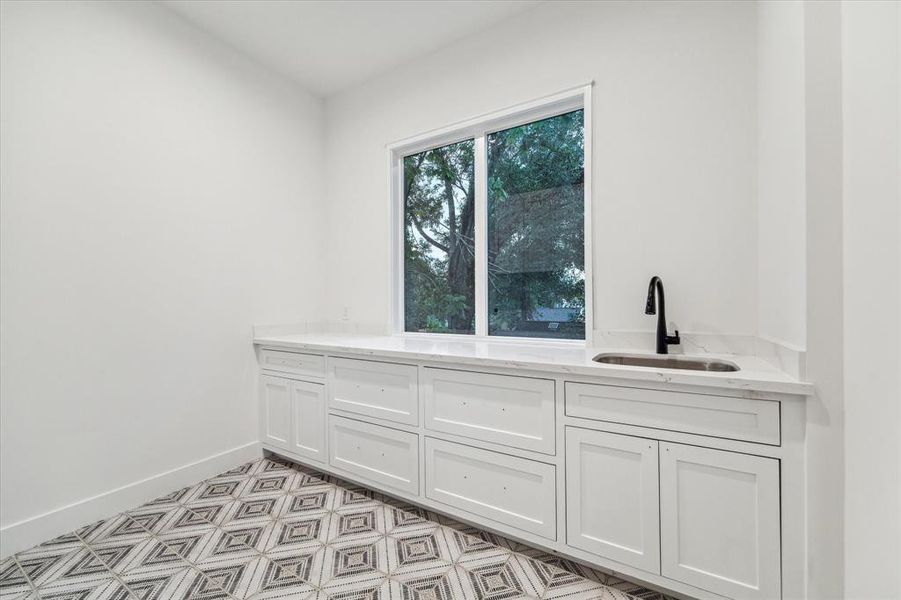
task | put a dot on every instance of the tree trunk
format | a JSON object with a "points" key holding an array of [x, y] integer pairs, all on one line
{"points": [[460, 276]]}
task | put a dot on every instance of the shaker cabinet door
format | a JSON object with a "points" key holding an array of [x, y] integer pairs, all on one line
{"points": [[612, 497], [719, 521], [275, 411], [308, 420]]}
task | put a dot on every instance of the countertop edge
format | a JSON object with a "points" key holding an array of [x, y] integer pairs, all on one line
{"points": [[633, 374]]}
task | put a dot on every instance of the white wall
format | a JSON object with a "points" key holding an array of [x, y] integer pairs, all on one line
{"points": [[674, 151], [828, 101], [781, 200], [160, 194], [825, 309], [872, 298]]}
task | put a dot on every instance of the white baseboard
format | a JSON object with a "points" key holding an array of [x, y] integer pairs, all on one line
{"points": [[24, 534]]}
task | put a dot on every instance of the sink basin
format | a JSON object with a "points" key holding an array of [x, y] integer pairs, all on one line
{"points": [[664, 361]]}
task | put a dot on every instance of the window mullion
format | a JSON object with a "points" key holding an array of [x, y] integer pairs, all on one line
{"points": [[481, 234]]}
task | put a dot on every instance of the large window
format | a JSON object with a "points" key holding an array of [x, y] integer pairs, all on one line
{"points": [[494, 227]]}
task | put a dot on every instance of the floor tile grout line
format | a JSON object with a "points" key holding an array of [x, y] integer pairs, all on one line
{"points": [[443, 573], [273, 520], [105, 566], [28, 580], [154, 536], [191, 565], [196, 567]]}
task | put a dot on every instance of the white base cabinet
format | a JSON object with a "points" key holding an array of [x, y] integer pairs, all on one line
{"points": [[612, 501], [292, 416], [706, 517], [719, 516], [694, 490]]}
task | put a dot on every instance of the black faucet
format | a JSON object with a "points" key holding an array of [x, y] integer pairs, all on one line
{"points": [[655, 291]]}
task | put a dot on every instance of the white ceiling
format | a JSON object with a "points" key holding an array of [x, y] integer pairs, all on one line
{"points": [[329, 46]]}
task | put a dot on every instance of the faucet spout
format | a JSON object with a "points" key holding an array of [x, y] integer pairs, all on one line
{"points": [[656, 305]]}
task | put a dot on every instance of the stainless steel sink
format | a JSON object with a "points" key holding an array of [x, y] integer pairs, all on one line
{"points": [[665, 361]]}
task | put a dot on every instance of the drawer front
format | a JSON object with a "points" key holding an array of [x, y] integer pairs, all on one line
{"points": [[512, 491], [381, 455], [375, 389], [508, 410], [717, 416], [312, 365]]}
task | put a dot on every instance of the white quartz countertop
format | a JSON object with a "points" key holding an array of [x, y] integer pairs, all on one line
{"points": [[755, 374]]}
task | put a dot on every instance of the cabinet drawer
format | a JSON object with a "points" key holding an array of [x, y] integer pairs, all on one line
{"points": [[512, 491], [508, 410], [376, 389], [717, 416], [379, 454], [292, 362]]}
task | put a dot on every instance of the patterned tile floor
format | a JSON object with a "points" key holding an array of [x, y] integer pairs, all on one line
{"points": [[273, 529]]}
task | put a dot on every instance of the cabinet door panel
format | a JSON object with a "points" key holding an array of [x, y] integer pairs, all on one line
{"points": [[612, 497], [308, 418], [719, 516], [275, 411]]}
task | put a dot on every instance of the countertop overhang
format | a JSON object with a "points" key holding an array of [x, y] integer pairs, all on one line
{"points": [[755, 374]]}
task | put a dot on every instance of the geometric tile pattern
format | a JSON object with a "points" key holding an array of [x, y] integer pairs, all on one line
{"points": [[300, 531], [170, 552], [354, 560], [288, 573], [253, 509], [431, 587], [271, 529], [416, 549], [496, 582], [356, 523], [308, 502]]}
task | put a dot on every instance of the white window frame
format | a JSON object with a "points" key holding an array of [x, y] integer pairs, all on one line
{"points": [[478, 129]]}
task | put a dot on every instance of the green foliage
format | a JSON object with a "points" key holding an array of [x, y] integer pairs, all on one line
{"points": [[439, 248], [536, 248], [535, 232]]}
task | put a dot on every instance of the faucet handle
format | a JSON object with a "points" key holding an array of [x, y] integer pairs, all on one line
{"points": [[673, 339]]}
